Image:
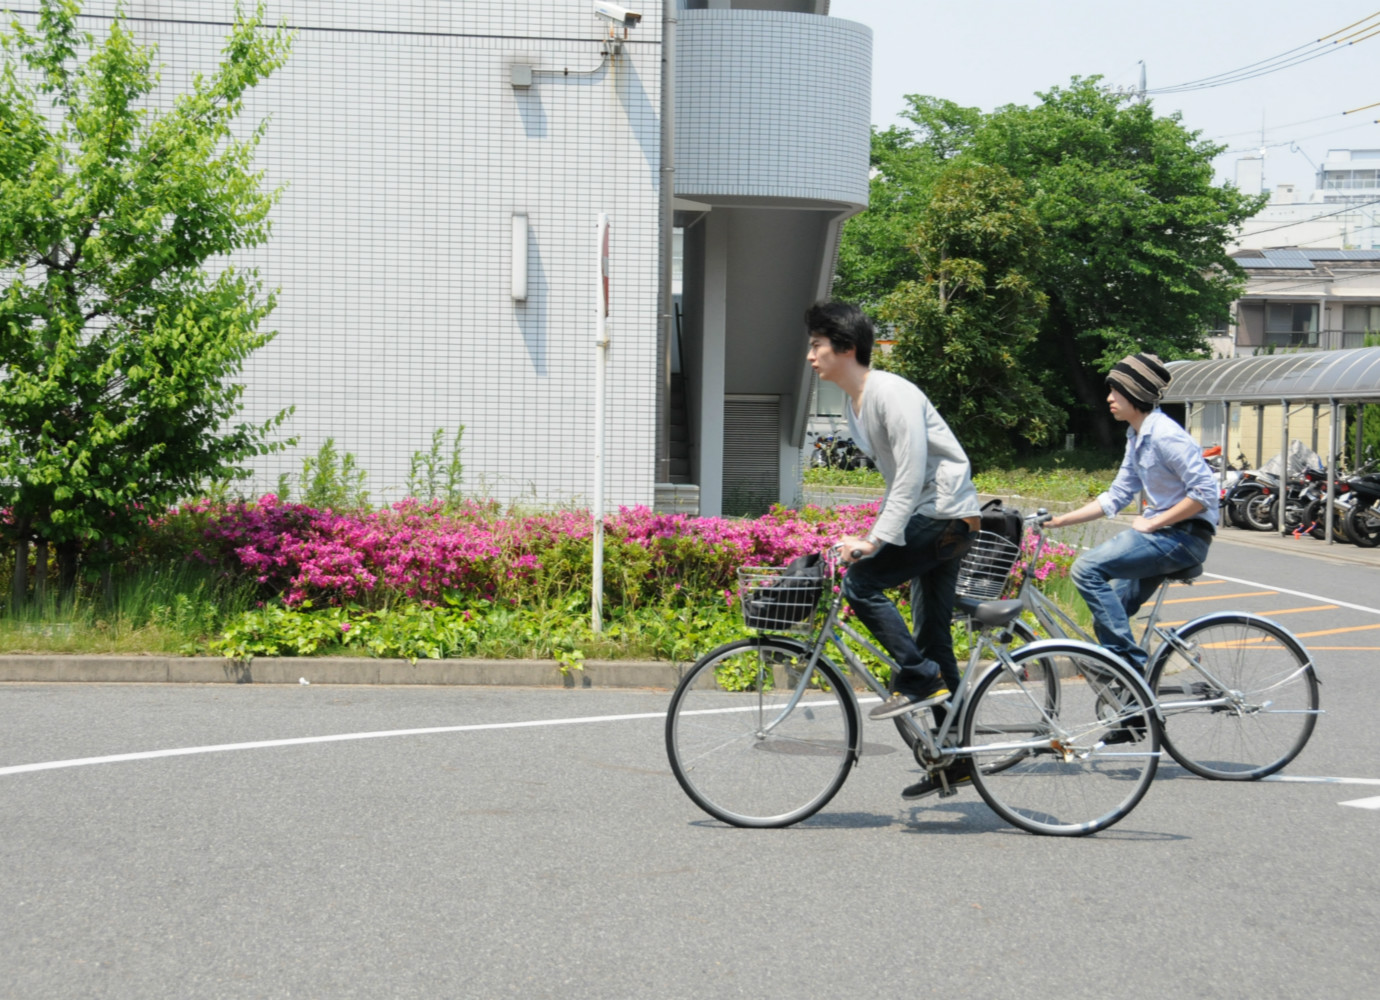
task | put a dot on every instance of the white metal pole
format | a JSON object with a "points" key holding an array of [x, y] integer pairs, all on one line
{"points": [[1332, 449], [601, 347]]}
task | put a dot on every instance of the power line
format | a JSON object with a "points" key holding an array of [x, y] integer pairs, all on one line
{"points": [[1293, 57], [1326, 215], [1290, 142]]}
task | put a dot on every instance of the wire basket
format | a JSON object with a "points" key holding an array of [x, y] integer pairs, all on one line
{"points": [[986, 567], [775, 601]]}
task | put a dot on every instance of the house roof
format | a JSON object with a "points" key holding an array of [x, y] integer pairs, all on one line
{"points": [[1315, 377], [1301, 259]]}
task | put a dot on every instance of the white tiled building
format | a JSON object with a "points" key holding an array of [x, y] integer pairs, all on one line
{"points": [[409, 133]]}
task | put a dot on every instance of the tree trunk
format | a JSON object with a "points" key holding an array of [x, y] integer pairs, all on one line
{"points": [[41, 572], [67, 568], [19, 589], [1085, 391]]}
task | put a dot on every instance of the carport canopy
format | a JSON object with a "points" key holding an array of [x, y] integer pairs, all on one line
{"points": [[1316, 377]]}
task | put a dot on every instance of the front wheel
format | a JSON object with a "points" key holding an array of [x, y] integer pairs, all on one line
{"points": [[754, 739], [1072, 769], [1239, 696], [1259, 512]]}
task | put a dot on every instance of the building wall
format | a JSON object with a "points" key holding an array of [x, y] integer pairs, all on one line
{"points": [[405, 151]]}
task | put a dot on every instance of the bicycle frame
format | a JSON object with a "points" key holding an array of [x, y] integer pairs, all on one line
{"points": [[1057, 623], [930, 748]]}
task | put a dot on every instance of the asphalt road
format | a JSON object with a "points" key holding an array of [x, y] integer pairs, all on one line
{"points": [[505, 854]]}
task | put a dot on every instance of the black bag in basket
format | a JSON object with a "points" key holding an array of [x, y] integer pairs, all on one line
{"points": [[1004, 521], [790, 598]]}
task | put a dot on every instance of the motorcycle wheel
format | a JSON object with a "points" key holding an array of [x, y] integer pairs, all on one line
{"points": [[1260, 512], [1363, 525]]}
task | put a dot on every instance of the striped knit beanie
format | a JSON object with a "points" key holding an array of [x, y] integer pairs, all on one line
{"points": [[1140, 376]]}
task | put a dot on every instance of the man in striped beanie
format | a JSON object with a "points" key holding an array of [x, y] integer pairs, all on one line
{"points": [[1174, 529]]}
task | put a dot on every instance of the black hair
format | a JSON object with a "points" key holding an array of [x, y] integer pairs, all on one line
{"points": [[1139, 404], [846, 326]]}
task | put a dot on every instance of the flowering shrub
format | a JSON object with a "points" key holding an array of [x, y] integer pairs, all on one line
{"points": [[421, 552], [1055, 561]]}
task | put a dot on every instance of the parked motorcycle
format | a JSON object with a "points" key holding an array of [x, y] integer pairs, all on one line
{"points": [[1363, 517]]}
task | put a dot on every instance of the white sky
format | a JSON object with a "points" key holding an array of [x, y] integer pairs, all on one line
{"points": [[986, 53]]}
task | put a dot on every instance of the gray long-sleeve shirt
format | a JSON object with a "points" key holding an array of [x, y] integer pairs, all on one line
{"points": [[925, 468]]}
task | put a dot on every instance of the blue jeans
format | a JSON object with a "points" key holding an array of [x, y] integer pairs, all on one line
{"points": [[1121, 574], [926, 655]]}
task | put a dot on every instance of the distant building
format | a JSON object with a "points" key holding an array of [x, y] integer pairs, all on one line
{"points": [[1305, 299], [1342, 211]]}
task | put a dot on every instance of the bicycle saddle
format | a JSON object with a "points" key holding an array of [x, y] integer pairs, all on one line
{"points": [[993, 614], [1187, 573]]}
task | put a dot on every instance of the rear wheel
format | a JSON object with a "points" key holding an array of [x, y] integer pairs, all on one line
{"points": [[1363, 525], [1071, 770], [1240, 702], [756, 741]]}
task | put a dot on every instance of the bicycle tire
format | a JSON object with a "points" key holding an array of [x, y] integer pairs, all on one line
{"points": [[1072, 778], [731, 759], [1275, 689]]}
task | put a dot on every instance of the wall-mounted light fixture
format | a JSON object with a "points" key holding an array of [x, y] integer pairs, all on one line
{"points": [[519, 257]]}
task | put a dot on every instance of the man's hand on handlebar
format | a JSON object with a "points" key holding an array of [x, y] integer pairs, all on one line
{"points": [[850, 548]]}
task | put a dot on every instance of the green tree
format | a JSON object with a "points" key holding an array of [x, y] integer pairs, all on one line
{"points": [[965, 327], [1135, 230], [118, 345]]}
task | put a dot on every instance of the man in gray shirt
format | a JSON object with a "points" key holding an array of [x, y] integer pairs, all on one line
{"points": [[927, 513]]}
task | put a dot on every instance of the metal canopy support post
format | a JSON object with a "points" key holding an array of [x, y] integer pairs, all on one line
{"points": [[1284, 468], [1332, 449], [1259, 433], [1226, 450], [1315, 426]]}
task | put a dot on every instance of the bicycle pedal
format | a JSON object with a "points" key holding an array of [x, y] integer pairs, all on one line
{"points": [[947, 791]]}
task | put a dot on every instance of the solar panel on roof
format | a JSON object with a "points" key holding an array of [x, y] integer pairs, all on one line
{"points": [[1288, 258]]}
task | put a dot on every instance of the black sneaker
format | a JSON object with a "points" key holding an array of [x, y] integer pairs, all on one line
{"points": [[959, 774], [900, 703]]}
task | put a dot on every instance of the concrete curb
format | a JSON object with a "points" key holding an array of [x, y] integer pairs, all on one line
{"points": [[335, 670]]}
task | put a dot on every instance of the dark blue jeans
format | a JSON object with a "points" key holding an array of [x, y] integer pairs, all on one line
{"points": [[927, 654], [1121, 574]]}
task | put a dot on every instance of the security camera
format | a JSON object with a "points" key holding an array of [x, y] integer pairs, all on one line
{"points": [[616, 15]]}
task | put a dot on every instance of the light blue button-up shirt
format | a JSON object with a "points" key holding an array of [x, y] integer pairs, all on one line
{"points": [[1168, 465]]}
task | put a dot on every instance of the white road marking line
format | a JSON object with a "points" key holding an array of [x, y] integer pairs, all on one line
{"points": [[1321, 781], [306, 740], [1297, 593], [1363, 803]]}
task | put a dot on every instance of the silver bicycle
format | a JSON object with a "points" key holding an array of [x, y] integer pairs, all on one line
{"points": [[762, 732], [1238, 693]]}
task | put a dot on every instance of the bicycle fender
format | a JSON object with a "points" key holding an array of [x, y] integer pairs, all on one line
{"points": [[1225, 616]]}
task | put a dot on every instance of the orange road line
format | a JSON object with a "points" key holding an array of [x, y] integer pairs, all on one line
{"points": [[1293, 611], [1335, 631], [1264, 614], [1223, 597]]}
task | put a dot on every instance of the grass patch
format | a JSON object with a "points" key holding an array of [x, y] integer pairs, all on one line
{"points": [[173, 611], [1066, 476]]}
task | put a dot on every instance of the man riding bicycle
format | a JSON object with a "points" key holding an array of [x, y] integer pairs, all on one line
{"points": [[1174, 530], [927, 513]]}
